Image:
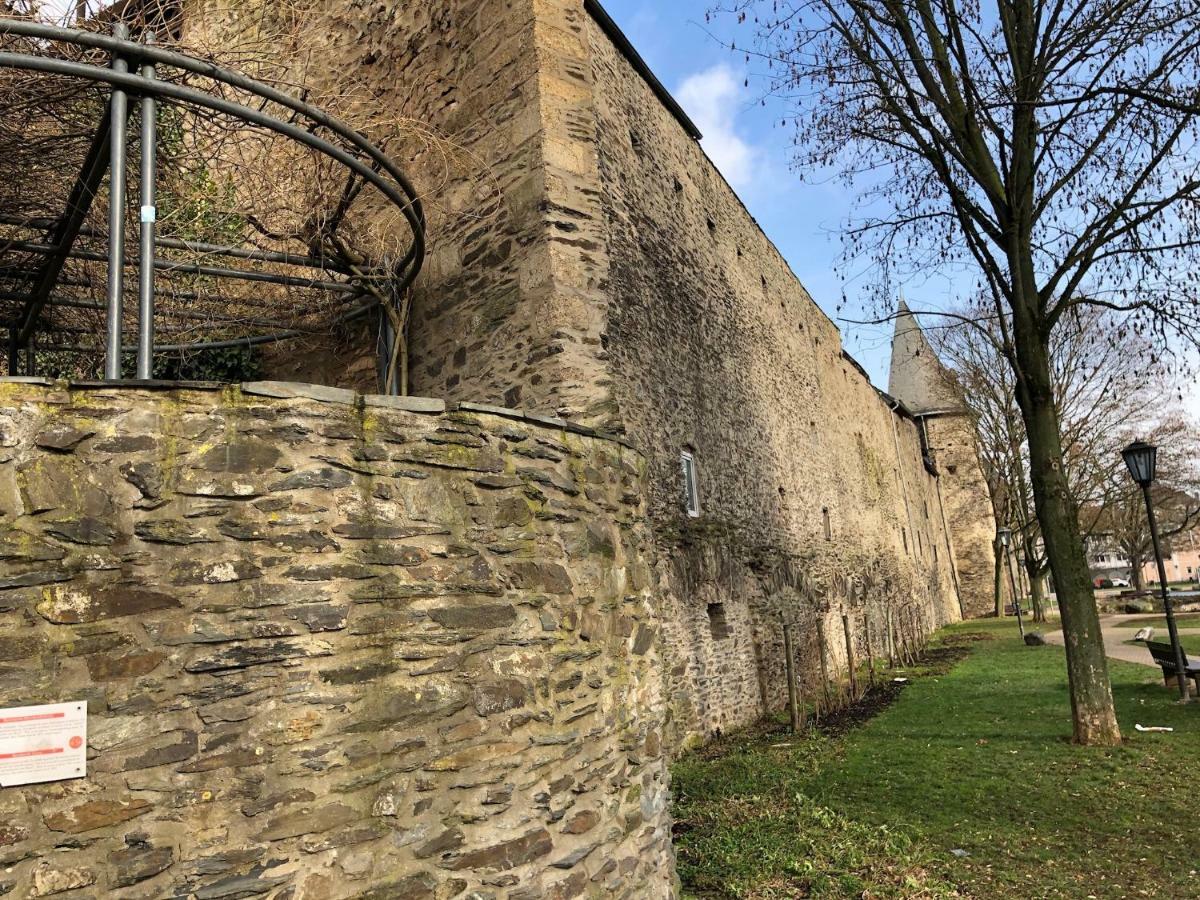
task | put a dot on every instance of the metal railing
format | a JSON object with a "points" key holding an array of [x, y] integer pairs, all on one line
{"points": [[136, 70]]}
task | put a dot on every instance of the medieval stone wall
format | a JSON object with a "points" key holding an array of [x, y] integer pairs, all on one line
{"points": [[610, 275], [964, 491], [492, 319], [332, 646], [814, 497]]}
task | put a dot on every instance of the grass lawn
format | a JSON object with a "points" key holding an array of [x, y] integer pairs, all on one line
{"points": [[976, 759], [1183, 620]]}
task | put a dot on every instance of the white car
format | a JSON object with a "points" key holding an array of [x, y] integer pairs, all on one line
{"points": [[1120, 582]]}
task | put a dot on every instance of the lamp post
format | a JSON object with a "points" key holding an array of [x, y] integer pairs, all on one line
{"points": [[1142, 461], [1005, 540]]}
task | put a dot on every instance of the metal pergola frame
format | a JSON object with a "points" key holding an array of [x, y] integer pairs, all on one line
{"points": [[133, 71]]}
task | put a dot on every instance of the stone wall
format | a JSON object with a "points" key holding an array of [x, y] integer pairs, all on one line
{"points": [[493, 320], [964, 490], [815, 497], [611, 276], [332, 646]]}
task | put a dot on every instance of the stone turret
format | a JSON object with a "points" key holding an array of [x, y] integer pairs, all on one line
{"points": [[929, 391], [917, 377]]}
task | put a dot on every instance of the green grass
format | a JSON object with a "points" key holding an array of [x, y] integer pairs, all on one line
{"points": [[1184, 620], [976, 759]]}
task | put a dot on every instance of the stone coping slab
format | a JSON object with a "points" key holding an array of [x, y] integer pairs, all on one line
{"points": [[295, 390]]}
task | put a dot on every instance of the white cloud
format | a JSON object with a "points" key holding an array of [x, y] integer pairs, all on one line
{"points": [[712, 100]]}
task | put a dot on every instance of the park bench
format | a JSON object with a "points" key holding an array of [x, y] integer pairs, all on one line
{"points": [[1165, 657]]}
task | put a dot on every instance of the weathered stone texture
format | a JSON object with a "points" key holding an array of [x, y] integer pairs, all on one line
{"points": [[588, 261], [814, 493], [350, 651], [490, 321], [964, 495]]}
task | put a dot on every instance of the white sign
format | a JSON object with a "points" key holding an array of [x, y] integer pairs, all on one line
{"points": [[43, 743]]}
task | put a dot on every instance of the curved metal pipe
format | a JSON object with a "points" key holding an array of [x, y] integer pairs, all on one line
{"points": [[179, 93], [413, 209]]}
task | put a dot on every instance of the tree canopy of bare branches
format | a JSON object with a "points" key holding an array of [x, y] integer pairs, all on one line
{"points": [[1046, 146]]}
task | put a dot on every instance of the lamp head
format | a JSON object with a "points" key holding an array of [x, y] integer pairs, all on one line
{"points": [[1142, 461], [1005, 535]]}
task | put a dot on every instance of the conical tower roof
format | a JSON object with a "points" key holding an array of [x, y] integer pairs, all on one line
{"points": [[917, 378]]}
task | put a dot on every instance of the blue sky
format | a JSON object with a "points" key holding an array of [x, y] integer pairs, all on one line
{"points": [[750, 147], [746, 141]]}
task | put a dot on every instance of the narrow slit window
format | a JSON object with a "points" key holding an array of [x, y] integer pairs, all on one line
{"points": [[827, 523], [904, 536], [691, 486], [717, 623]]}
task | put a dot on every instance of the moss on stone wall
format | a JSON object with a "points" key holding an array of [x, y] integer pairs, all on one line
{"points": [[331, 648]]}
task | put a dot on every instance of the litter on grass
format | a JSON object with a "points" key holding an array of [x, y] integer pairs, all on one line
{"points": [[1153, 728]]}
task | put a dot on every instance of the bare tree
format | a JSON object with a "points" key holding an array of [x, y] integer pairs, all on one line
{"points": [[1099, 389], [1046, 145]]}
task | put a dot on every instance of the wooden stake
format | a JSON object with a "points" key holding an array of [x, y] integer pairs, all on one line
{"points": [[824, 653], [793, 692], [870, 652], [891, 638], [850, 662]]}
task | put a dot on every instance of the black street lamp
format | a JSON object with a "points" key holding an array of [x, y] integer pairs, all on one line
{"points": [[1142, 461], [1005, 535]]}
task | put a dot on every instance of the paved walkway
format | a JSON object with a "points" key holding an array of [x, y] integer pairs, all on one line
{"points": [[1115, 638]]}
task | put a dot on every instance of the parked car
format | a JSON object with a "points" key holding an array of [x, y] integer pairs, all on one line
{"points": [[1102, 582], [1120, 582]]}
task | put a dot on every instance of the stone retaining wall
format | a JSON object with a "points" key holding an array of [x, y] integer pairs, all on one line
{"points": [[332, 647]]}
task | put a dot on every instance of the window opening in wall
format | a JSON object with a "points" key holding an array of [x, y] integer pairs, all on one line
{"points": [[904, 536], [712, 227], [827, 524], [717, 623], [691, 486], [935, 555]]}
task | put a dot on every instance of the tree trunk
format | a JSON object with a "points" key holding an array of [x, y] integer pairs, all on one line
{"points": [[1135, 573], [1087, 666], [1037, 596]]}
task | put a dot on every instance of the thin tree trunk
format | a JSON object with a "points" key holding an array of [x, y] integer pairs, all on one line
{"points": [[1135, 573], [1087, 666], [1037, 596], [998, 583]]}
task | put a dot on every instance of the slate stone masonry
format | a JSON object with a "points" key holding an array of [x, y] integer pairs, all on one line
{"points": [[333, 646]]}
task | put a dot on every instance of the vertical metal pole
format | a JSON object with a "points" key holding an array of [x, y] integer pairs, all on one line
{"points": [[388, 383], [14, 354], [1012, 583], [1168, 605], [119, 111], [145, 351]]}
